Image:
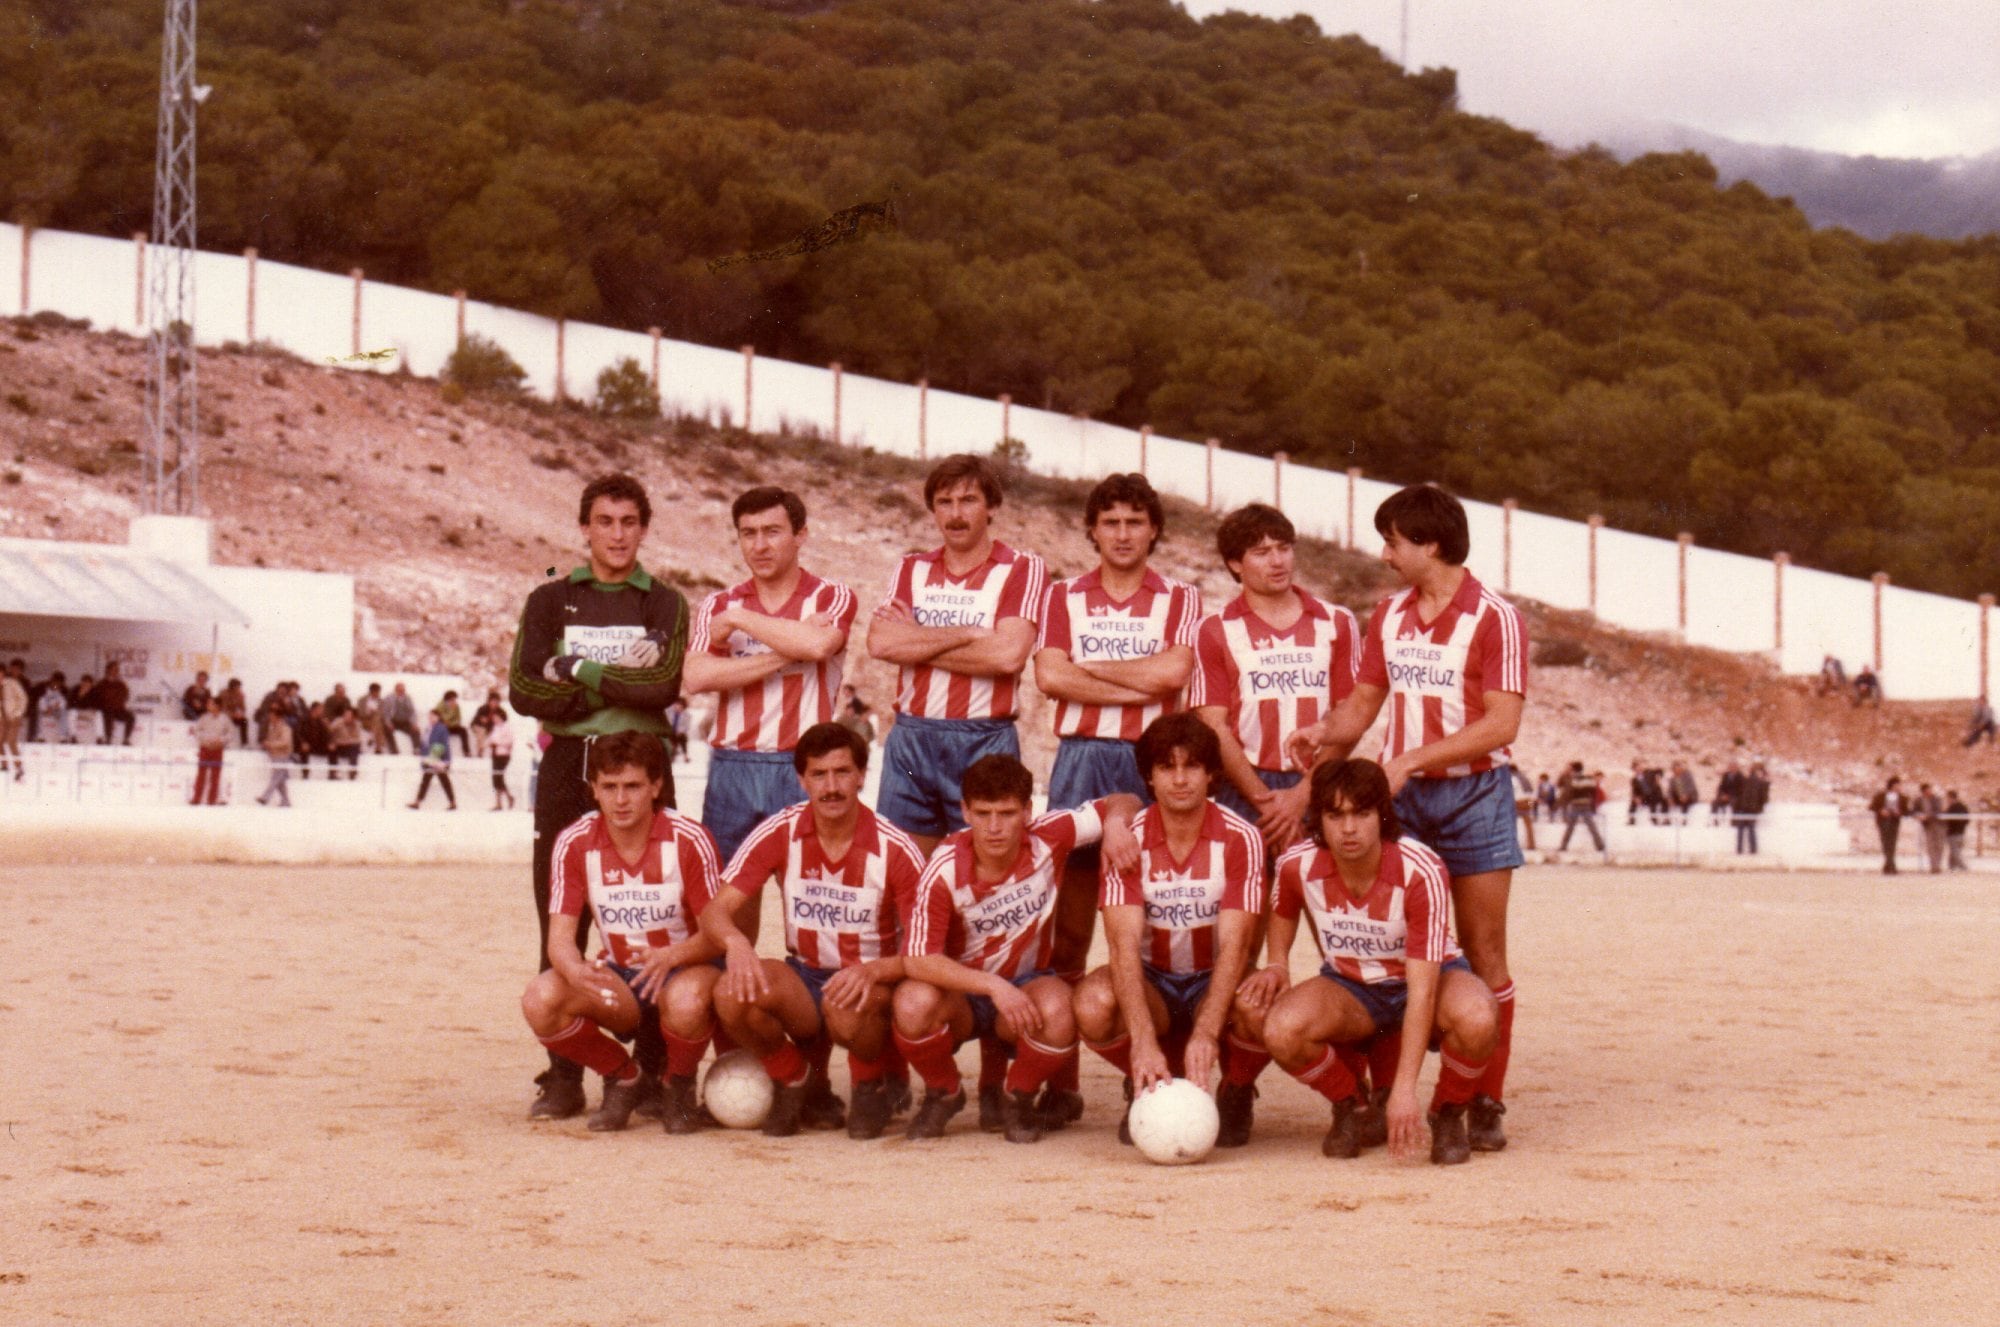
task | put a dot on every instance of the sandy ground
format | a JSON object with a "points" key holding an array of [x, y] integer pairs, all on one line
{"points": [[295, 1095]]}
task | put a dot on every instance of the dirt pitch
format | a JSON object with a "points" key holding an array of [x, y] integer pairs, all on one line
{"points": [[248, 1094]]}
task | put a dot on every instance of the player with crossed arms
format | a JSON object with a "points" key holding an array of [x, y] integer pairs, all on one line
{"points": [[1451, 659], [1179, 928], [847, 879]]}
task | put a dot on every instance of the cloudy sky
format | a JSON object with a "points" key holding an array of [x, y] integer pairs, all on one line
{"points": [[1855, 76]]}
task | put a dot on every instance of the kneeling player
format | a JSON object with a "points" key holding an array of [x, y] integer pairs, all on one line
{"points": [[980, 936], [1380, 907], [846, 879], [1179, 928], [647, 872]]}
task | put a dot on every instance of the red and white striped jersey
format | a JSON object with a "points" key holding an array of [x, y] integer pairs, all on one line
{"points": [[1007, 927], [1273, 682], [1184, 899], [648, 904], [1405, 914], [1088, 625], [769, 715], [1437, 675], [837, 914], [1008, 584]]}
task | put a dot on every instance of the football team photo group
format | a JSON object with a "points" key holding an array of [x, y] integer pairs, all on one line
{"points": [[1207, 801]]}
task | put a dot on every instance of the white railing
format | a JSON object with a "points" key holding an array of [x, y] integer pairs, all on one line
{"points": [[1925, 646]]}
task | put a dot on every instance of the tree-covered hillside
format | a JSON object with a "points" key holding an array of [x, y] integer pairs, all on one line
{"points": [[1237, 227]]}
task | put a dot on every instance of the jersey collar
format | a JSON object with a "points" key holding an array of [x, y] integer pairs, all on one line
{"points": [[638, 580]]}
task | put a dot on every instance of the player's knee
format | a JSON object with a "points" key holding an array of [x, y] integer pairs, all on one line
{"points": [[1285, 1031], [685, 1003], [1472, 1020], [1096, 1007], [917, 1006], [1058, 1020], [540, 1000], [1247, 1021]]}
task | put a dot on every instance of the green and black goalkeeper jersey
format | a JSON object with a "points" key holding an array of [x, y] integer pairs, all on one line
{"points": [[579, 615]]}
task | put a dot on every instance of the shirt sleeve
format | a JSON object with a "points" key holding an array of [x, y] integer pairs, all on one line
{"points": [[1289, 892], [1346, 669], [1501, 644], [566, 881], [761, 856], [536, 642], [1426, 907], [1214, 681], [1243, 869], [1115, 889], [838, 603], [929, 920], [701, 873], [1021, 596], [700, 639], [1183, 614], [1054, 633]]}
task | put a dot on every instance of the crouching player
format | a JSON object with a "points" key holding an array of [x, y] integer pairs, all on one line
{"points": [[980, 937], [1380, 906], [1179, 927], [647, 873], [846, 878]]}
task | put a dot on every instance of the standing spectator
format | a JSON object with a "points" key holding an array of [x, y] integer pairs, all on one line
{"points": [[345, 735], [194, 701], [1581, 793], [1726, 789], [1888, 808], [1867, 687], [454, 722], [113, 697], [1682, 792], [436, 751], [1930, 815], [295, 706], [270, 710], [51, 712], [369, 710], [212, 732], [490, 713], [1752, 793], [1957, 815], [399, 715], [237, 706], [277, 743], [337, 703], [854, 714], [500, 750], [315, 739], [1635, 796], [1545, 797], [677, 729], [1982, 723], [1524, 803], [1832, 676], [13, 716]]}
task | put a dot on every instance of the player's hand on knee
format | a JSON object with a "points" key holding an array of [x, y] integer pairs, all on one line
{"points": [[1261, 987], [743, 978], [653, 974], [848, 988], [1015, 1005]]}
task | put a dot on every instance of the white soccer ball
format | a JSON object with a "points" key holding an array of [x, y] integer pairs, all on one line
{"points": [[1175, 1123], [737, 1091]]}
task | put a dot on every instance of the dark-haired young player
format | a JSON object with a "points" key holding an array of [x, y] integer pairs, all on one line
{"points": [[1451, 659], [598, 652], [846, 880], [979, 939], [1178, 928], [1115, 651], [1273, 661], [1380, 906], [959, 624], [646, 873]]}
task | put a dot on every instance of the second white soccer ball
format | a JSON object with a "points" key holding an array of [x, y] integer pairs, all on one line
{"points": [[737, 1091], [1175, 1123]]}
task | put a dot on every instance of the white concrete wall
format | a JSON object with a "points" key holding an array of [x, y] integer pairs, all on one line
{"points": [[1929, 643]]}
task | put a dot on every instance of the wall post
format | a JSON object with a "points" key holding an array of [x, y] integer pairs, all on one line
{"points": [[1779, 561], [923, 418], [834, 368], [1278, 480], [139, 279], [1208, 497], [354, 331], [1595, 524], [1682, 540], [250, 297], [749, 368], [1880, 581]]}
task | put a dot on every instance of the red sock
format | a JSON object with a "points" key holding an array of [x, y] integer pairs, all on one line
{"points": [[931, 1057], [1457, 1080], [585, 1043], [893, 1063], [724, 1043], [1385, 1053], [1068, 1074], [1495, 1078], [1242, 1061], [992, 1062], [1353, 1057], [1328, 1077], [684, 1054], [1118, 1052], [865, 1071], [787, 1067], [1034, 1062]]}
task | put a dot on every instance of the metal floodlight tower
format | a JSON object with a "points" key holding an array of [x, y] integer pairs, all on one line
{"points": [[173, 449]]}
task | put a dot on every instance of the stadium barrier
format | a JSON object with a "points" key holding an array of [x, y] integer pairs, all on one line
{"points": [[1923, 646]]}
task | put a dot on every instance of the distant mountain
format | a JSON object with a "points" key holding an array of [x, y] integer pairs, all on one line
{"points": [[1951, 198]]}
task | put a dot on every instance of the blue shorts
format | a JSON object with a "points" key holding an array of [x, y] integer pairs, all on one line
{"points": [[1468, 821], [1383, 1001], [815, 980], [1088, 768], [745, 788], [1183, 992], [985, 1016], [647, 1008], [922, 762], [1277, 780]]}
